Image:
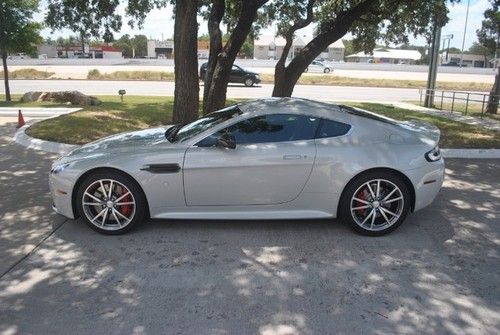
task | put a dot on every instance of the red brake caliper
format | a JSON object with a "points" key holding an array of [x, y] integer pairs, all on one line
{"points": [[363, 195], [125, 209]]}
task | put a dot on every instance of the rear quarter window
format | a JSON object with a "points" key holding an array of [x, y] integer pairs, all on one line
{"points": [[329, 128]]}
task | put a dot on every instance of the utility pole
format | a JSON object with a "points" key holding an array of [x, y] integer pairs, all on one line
{"points": [[447, 38], [434, 55], [465, 32]]}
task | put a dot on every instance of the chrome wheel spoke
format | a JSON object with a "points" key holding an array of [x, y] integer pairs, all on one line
{"points": [[377, 192], [110, 189], [99, 215], [124, 203], [389, 195], [116, 218], [368, 216], [370, 189], [122, 196], [392, 200], [121, 215], [93, 197], [385, 216], [360, 207], [362, 201], [105, 216], [374, 216], [93, 203], [388, 211]]}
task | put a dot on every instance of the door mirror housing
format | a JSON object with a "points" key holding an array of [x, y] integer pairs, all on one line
{"points": [[226, 140]]}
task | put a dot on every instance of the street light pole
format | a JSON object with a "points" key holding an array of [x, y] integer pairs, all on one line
{"points": [[465, 32], [431, 79]]}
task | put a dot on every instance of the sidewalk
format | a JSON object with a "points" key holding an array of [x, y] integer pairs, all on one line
{"points": [[486, 123]]}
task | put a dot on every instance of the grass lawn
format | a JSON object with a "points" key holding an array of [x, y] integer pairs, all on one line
{"points": [[139, 112], [28, 74]]}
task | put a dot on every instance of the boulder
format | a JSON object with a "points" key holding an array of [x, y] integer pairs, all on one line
{"points": [[64, 97]]}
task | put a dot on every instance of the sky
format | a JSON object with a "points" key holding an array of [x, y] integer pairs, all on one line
{"points": [[159, 24]]}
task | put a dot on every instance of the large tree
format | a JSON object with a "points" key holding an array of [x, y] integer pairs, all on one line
{"points": [[367, 20], [239, 16], [187, 84], [489, 37], [100, 19], [18, 33]]}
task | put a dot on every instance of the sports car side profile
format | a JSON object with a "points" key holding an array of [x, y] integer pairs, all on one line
{"points": [[275, 158]]}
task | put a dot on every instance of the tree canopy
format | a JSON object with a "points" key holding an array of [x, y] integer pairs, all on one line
{"points": [[489, 34], [18, 32]]}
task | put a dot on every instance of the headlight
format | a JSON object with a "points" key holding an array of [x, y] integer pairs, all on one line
{"points": [[433, 155], [59, 168], [257, 76]]}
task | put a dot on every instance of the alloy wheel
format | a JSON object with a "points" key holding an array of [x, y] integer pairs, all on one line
{"points": [[377, 205], [108, 204]]}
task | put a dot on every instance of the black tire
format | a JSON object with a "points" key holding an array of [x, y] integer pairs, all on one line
{"points": [[348, 216], [137, 195], [326, 70], [249, 82]]}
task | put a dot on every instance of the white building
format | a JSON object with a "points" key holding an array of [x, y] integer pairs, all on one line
{"points": [[160, 49], [271, 47], [386, 55]]}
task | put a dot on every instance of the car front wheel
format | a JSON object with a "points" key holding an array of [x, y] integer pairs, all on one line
{"points": [[326, 70], [376, 203], [110, 203]]}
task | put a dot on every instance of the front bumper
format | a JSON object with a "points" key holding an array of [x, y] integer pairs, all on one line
{"points": [[61, 192], [427, 182]]}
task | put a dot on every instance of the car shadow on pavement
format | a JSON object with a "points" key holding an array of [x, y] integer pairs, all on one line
{"points": [[436, 274]]}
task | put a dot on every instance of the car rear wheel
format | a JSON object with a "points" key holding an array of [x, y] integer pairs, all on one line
{"points": [[326, 70], [249, 82], [110, 203], [375, 203]]}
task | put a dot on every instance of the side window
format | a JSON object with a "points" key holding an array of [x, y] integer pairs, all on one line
{"points": [[329, 128], [269, 128]]}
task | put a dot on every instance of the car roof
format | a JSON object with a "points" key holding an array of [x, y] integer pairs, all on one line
{"points": [[294, 106]]}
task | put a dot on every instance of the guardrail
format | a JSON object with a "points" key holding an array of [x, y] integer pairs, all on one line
{"points": [[443, 96]]}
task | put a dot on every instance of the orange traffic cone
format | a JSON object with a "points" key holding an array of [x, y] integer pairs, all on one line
{"points": [[20, 119]]}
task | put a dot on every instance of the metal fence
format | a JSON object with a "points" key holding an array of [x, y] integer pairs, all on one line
{"points": [[443, 99]]}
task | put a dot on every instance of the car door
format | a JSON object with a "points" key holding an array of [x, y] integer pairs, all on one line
{"points": [[236, 75], [271, 163]]}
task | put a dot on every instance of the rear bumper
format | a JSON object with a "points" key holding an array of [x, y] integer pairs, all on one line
{"points": [[427, 182]]}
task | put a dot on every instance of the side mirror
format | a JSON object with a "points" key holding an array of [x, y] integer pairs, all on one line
{"points": [[226, 140]]}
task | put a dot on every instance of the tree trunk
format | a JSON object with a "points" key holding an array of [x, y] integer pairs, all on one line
{"points": [[216, 96], [286, 78], [187, 86], [216, 14], [492, 107], [6, 76]]}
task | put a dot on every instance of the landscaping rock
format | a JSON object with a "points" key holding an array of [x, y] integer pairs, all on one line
{"points": [[64, 97]]}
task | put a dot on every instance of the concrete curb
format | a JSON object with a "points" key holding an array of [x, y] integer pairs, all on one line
{"points": [[20, 137], [471, 153], [61, 148]]}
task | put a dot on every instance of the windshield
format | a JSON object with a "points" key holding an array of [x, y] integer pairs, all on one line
{"points": [[197, 127]]}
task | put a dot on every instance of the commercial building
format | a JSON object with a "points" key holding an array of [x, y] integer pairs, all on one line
{"points": [[386, 55], [271, 47], [470, 60], [160, 49]]}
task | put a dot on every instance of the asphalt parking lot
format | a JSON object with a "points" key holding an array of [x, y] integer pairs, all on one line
{"points": [[437, 274]]}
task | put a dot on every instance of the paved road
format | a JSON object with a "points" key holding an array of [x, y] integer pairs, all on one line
{"points": [[437, 274], [329, 93]]}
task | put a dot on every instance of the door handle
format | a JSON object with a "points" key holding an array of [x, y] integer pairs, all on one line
{"points": [[290, 157]]}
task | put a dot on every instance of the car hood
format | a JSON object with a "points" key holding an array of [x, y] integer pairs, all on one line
{"points": [[122, 143]]}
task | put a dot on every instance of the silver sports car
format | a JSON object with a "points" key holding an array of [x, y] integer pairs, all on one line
{"points": [[277, 158]]}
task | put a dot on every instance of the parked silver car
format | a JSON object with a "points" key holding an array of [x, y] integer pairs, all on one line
{"points": [[276, 158]]}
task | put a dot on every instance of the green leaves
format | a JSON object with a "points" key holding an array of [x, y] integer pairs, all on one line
{"points": [[18, 32]]}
